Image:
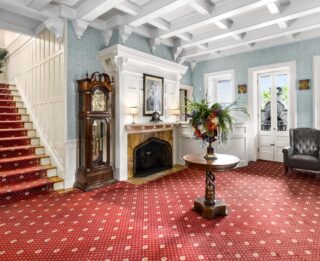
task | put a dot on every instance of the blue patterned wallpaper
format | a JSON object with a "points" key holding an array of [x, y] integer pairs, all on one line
{"points": [[83, 57], [301, 52]]}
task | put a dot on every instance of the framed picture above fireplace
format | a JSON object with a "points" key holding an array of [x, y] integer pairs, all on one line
{"points": [[152, 94]]}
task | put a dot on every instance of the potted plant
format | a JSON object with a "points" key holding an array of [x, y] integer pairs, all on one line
{"points": [[213, 122], [3, 54]]}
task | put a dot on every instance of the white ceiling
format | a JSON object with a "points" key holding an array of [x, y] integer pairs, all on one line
{"points": [[197, 29]]}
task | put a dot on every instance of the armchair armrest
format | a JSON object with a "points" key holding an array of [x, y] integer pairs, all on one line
{"points": [[287, 152]]}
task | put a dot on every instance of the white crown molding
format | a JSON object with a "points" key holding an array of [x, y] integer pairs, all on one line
{"points": [[176, 52], [56, 26], [125, 31], [79, 27], [107, 36], [137, 57], [154, 43]]}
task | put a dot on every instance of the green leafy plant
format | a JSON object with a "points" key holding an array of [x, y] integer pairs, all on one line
{"points": [[213, 122], [3, 54]]}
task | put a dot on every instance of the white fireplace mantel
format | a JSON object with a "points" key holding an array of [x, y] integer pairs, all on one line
{"points": [[127, 66]]}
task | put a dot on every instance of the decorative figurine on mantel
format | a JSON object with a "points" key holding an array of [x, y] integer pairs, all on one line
{"points": [[155, 117]]}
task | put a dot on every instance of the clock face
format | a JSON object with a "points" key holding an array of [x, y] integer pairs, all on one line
{"points": [[98, 101]]}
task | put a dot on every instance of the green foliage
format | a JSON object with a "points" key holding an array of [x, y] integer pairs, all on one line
{"points": [[285, 94], [200, 113], [3, 54]]}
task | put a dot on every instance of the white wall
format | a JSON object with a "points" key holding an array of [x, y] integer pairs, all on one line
{"points": [[36, 65], [237, 145]]}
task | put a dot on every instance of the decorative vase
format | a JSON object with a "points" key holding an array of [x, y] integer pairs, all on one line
{"points": [[210, 153]]}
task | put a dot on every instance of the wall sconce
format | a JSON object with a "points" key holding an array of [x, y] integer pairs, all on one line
{"points": [[177, 113], [133, 111]]}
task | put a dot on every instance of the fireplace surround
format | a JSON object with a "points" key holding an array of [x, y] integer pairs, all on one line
{"points": [[152, 156]]}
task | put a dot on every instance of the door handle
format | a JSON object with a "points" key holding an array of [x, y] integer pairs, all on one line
{"points": [[272, 144]]}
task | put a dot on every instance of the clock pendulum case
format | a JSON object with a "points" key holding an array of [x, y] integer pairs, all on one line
{"points": [[95, 125]]}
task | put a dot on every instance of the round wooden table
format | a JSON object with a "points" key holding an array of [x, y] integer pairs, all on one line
{"points": [[208, 206]]}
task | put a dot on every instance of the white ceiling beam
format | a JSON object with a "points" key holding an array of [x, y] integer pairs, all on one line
{"points": [[90, 10], [294, 11], [224, 24], [9, 26], [128, 7], [67, 2], [21, 10], [292, 37], [185, 36], [152, 10], [160, 23], [300, 26], [223, 10], [274, 8], [202, 7], [239, 37], [39, 4]]}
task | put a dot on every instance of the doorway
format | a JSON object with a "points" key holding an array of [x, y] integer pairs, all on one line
{"points": [[273, 113], [254, 107]]}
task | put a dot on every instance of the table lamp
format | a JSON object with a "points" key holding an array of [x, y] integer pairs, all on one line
{"points": [[177, 113], [133, 111]]}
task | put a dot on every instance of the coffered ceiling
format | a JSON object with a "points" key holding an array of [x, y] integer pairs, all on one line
{"points": [[196, 29]]}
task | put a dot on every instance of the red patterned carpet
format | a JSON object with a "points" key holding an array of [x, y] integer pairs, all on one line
{"points": [[271, 217], [21, 170]]}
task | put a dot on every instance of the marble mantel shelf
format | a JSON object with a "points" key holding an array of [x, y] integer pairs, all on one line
{"points": [[150, 127]]}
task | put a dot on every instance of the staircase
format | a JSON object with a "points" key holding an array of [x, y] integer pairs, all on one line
{"points": [[25, 169]]}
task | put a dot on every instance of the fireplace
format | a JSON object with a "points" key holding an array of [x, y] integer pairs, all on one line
{"points": [[152, 156]]}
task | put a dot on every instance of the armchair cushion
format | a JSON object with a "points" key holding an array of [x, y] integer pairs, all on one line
{"points": [[306, 141], [303, 162]]}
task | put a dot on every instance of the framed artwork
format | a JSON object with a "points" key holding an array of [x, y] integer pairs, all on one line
{"points": [[304, 84], [152, 94], [242, 88]]}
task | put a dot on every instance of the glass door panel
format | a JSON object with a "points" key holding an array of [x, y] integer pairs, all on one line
{"points": [[265, 88], [282, 85]]}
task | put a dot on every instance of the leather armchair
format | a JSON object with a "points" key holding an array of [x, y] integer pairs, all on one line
{"points": [[303, 152]]}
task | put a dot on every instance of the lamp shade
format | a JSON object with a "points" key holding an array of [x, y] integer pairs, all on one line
{"points": [[176, 112], [133, 110]]}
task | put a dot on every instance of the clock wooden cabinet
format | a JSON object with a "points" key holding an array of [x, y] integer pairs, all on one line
{"points": [[95, 125]]}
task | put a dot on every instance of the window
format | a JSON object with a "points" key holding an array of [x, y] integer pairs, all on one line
{"points": [[220, 87]]}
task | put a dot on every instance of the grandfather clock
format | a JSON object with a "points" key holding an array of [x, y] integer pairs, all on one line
{"points": [[95, 115]]}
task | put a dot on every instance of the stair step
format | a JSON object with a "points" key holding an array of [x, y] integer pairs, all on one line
{"points": [[51, 171], [22, 158], [19, 141], [14, 117], [10, 152], [40, 182], [24, 162], [6, 133], [12, 109], [9, 97], [16, 124]]}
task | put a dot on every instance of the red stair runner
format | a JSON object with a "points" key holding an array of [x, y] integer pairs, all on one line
{"points": [[21, 172]]}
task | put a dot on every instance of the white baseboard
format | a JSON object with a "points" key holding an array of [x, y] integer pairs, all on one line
{"points": [[71, 163]]}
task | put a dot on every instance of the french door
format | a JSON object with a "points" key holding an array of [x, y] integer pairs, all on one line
{"points": [[273, 114]]}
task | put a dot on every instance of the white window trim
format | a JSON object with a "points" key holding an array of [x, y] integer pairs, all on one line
{"points": [[316, 92], [216, 75], [253, 101]]}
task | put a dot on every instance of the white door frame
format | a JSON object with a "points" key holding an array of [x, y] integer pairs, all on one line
{"points": [[253, 100], [316, 92]]}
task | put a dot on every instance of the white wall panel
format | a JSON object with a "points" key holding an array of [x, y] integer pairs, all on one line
{"points": [[37, 66]]}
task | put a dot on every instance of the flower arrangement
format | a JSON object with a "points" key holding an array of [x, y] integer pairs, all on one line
{"points": [[214, 122]]}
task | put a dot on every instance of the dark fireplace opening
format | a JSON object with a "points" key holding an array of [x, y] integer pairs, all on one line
{"points": [[151, 156]]}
